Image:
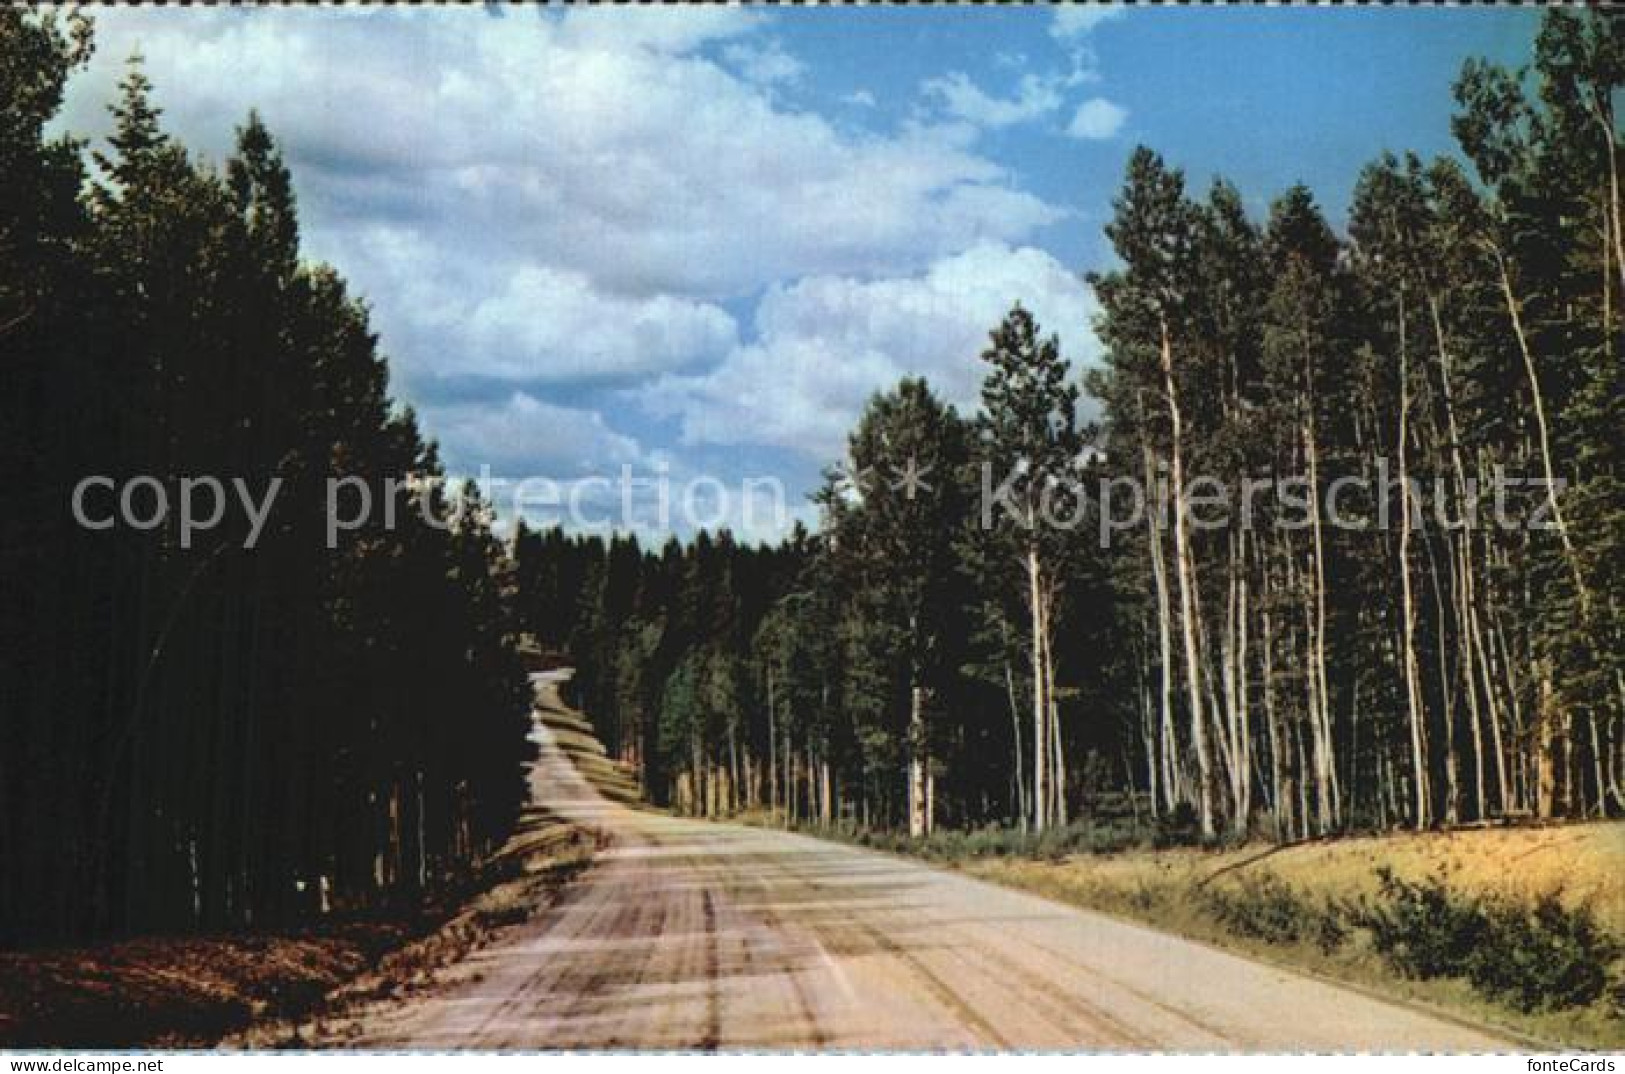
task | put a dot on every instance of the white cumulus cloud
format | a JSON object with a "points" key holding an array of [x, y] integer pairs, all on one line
{"points": [[765, 64], [826, 344], [1076, 20], [1097, 119], [603, 152], [560, 199], [523, 436], [1036, 96], [552, 324]]}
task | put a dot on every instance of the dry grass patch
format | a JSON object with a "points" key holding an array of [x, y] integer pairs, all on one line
{"points": [[1306, 906]]}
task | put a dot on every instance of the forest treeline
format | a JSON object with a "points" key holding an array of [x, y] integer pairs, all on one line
{"points": [[213, 735], [218, 736], [909, 665]]}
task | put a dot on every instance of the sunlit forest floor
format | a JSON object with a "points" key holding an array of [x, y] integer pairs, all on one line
{"points": [[1586, 862], [1516, 929], [1301, 906]]}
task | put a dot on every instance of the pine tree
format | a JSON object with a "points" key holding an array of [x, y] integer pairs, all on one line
{"points": [[1028, 443], [898, 537]]}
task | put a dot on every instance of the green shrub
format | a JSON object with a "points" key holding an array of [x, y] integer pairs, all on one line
{"points": [[1261, 906], [1422, 929], [1546, 957], [1177, 828]]}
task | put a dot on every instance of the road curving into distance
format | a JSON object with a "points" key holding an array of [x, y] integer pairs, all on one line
{"points": [[696, 935]]}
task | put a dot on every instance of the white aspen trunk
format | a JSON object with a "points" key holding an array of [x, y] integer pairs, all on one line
{"points": [[1233, 662], [1057, 758], [1505, 797], [1492, 710], [825, 795], [772, 746], [1515, 312], [1057, 755], [731, 802], [1244, 730], [1040, 702], [1148, 738], [1020, 772], [1227, 679], [1446, 691], [1520, 788], [930, 801], [1326, 788], [1601, 109], [1597, 754], [1172, 784], [1545, 766], [1303, 784], [789, 784], [916, 763], [1472, 649], [1187, 603], [1616, 756], [1282, 802], [1475, 715], [814, 809], [1413, 687]]}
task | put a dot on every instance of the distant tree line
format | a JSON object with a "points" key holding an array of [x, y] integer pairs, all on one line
{"points": [[909, 665], [217, 736]]}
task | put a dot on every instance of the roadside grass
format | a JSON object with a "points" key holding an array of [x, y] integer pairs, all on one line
{"points": [[1521, 930], [535, 877]]}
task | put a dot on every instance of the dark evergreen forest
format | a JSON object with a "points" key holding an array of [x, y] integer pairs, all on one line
{"points": [[215, 736]]}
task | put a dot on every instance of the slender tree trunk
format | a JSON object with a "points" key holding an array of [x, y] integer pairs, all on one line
{"points": [[1327, 794], [1019, 774], [1148, 739], [1447, 682], [1413, 686], [1467, 615], [1601, 109], [916, 763], [1172, 784], [732, 801], [810, 770], [1187, 600], [772, 745], [1545, 766], [1549, 471], [1035, 598], [1057, 754], [826, 799], [1234, 675], [1278, 792]]}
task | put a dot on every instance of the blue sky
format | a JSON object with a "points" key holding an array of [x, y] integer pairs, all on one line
{"points": [[695, 241]]}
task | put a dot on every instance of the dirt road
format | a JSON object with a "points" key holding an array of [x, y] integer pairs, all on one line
{"points": [[695, 935]]}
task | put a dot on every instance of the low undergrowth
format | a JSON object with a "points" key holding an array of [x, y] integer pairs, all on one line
{"points": [[949, 845], [1542, 963], [258, 990], [1543, 955]]}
